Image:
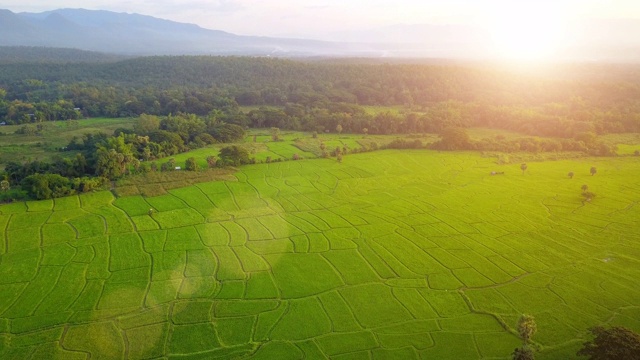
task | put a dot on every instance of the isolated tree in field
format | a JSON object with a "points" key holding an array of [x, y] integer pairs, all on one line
{"points": [[190, 164], [275, 134], [323, 148], [523, 167], [526, 329], [339, 129], [4, 185], [584, 188], [454, 138], [570, 174], [593, 170], [234, 155], [617, 343], [523, 353]]}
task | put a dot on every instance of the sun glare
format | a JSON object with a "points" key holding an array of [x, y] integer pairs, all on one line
{"points": [[530, 34]]}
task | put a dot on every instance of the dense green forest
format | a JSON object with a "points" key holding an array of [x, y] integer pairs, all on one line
{"points": [[184, 103], [560, 101]]}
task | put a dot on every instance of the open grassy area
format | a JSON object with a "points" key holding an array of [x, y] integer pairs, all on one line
{"points": [[387, 255], [16, 147], [261, 146]]}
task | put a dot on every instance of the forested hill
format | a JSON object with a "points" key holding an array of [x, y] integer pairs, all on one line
{"points": [[358, 82], [557, 100], [33, 54]]}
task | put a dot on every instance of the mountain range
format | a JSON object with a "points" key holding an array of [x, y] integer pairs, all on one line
{"points": [[138, 35], [134, 34]]}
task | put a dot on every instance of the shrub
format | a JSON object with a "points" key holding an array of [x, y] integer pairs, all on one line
{"points": [[234, 155], [190, 164]]}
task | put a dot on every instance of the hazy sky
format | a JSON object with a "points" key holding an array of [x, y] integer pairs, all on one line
{"points": [[317, 18]]}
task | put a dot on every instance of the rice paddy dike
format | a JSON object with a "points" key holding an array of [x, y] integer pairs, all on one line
{"points": [[387, 255]]}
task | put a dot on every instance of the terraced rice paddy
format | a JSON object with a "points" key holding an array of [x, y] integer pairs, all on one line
{"points": [[388, 255]]}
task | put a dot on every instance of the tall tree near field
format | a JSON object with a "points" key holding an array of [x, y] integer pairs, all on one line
{"points": [[526, 329], [365, 131], [146, 124], [275, 134], [584, 188], [523, 353], [454, 138], [339, 129], [234, 155], [593, 170], [523, 167], [114, 157], [570, 174], [617, 343], [190, 164], [323, 148]]}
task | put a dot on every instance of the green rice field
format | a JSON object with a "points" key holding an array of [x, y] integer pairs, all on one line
{"points": [[387, 255]]}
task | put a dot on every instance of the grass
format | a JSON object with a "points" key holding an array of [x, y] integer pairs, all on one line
{"points": [[16, 147], [398, 255]]}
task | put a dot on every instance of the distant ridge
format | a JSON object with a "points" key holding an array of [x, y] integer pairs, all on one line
{"points": [[140, 35], [39, 54], [134, 34]]}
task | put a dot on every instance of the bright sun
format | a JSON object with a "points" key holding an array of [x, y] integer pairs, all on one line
{"points": [[531, 33]]}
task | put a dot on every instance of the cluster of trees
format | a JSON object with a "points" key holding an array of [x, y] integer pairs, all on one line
{"points": [[322, 95], [607, 343], [27, 111], [554, 120], [100, 157], [456, 138]]}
